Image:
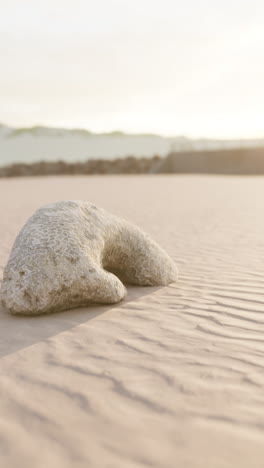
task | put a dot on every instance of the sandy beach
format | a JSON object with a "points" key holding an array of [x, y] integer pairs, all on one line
{"points": [[171, 377]]}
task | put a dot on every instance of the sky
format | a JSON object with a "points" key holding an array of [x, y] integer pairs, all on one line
{"points": [[189, 67]]}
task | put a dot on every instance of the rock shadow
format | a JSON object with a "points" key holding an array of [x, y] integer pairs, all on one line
{"points": [[19, 332]]}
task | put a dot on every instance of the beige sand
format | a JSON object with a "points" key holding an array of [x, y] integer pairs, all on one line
{"points": [[172, 377]]}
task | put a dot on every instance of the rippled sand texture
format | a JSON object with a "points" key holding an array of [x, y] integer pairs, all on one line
{"points": [[172, 377]]}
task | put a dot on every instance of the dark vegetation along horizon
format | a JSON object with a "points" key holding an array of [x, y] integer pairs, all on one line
{"points": [[239, 161]]}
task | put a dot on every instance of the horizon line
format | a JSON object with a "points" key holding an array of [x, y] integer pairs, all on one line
{"points": [[126, 133]]}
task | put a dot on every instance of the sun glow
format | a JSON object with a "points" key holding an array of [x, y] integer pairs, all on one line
{"points": [[195, 68]]}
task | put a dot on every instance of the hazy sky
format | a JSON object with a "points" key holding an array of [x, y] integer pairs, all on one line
{"points": [[193, 67]]}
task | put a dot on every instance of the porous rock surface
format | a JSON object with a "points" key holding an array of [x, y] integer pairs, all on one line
{"points": [[71, 253]]}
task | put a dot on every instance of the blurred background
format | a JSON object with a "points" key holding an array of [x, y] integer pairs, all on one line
{"points": [[131, 87]]}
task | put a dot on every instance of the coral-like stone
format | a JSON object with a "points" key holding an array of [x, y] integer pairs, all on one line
{"points": [[71, 253]]}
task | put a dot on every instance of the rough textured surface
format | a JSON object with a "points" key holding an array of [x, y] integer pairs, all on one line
{"points": [[171, 377], [64, 256]]}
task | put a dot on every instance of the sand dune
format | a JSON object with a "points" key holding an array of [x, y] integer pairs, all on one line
{"points": [[171, 377]]}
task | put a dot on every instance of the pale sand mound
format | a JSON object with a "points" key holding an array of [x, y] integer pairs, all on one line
{"points": [[172, 377]]}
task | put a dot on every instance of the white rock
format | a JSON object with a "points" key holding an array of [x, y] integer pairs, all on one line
{"points": [[71, 253]]}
